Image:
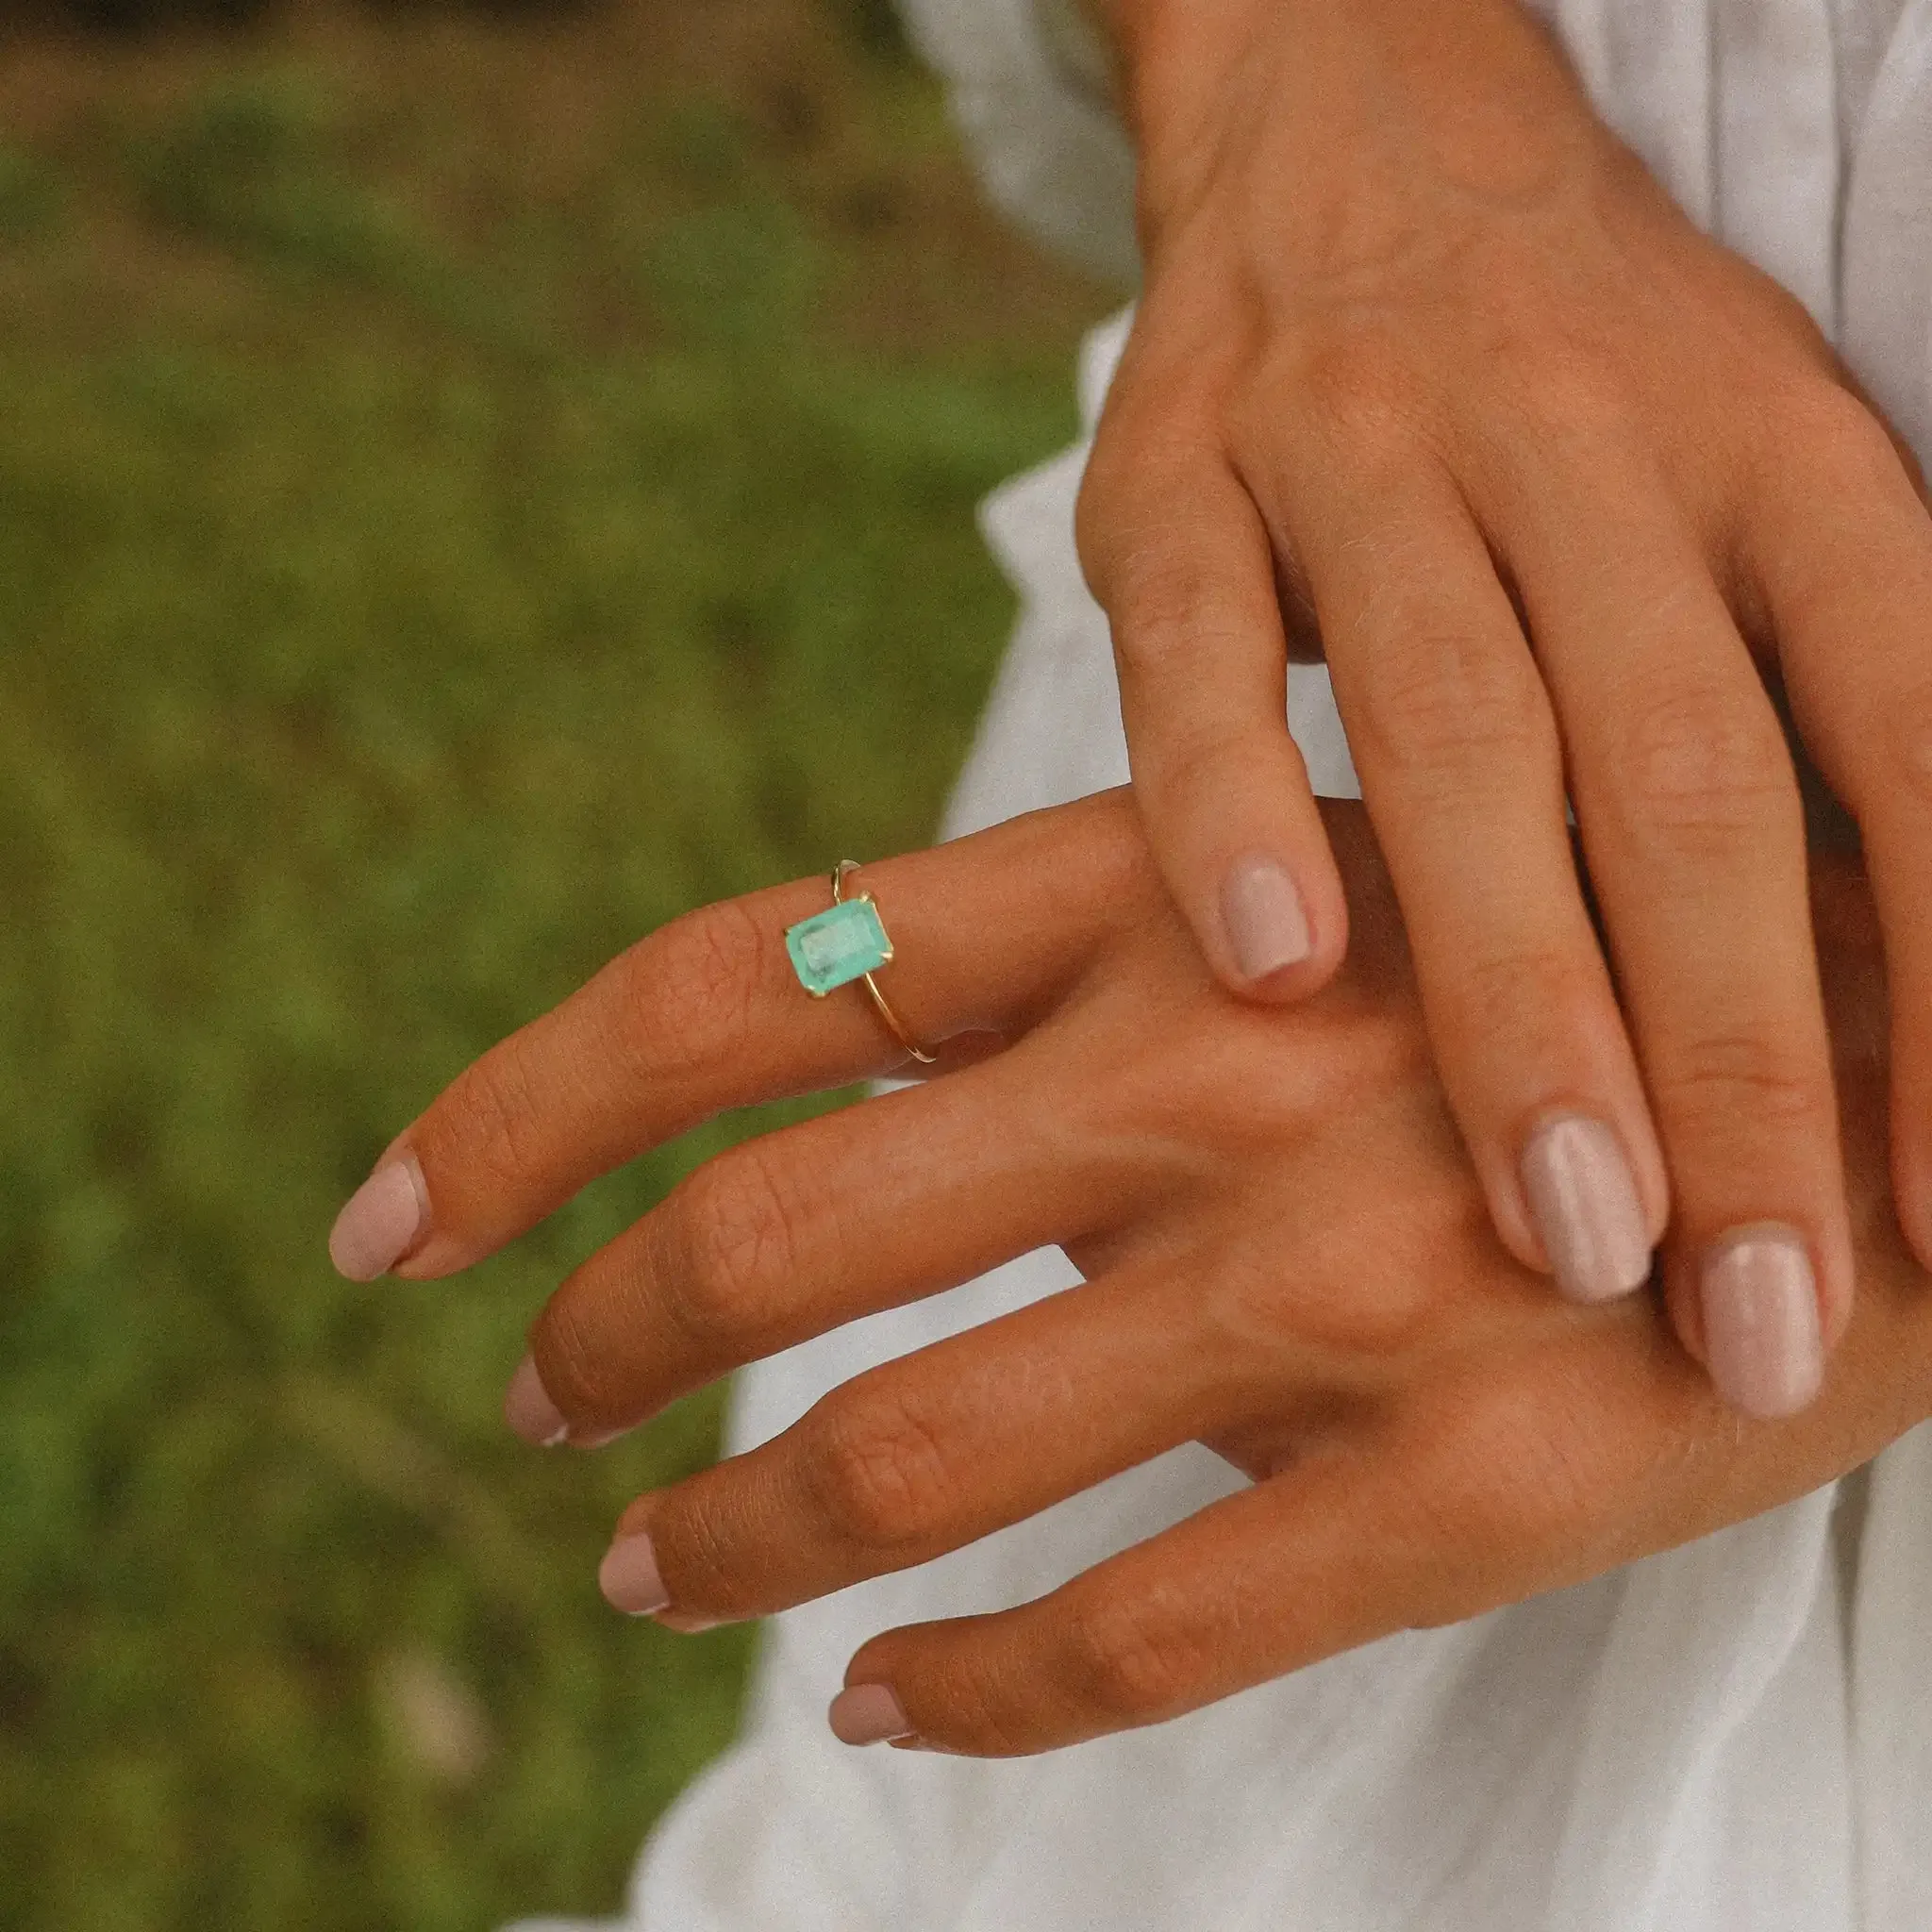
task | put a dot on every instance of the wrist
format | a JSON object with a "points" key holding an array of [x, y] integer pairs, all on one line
{"points": [[1476, 86]]}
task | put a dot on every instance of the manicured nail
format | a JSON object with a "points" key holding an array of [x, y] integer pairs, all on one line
{"points": [[689, 1624], [628, 1577], [529, 1411], [381, 1221], [1583, 1199], [1760, 1321], [1267, 925], [867, 1714]]}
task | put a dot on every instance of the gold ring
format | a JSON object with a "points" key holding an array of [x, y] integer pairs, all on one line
{"points": [[844, 942]]}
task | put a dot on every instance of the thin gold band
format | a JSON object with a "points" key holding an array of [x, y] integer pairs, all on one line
{"points": [[872, 984]]}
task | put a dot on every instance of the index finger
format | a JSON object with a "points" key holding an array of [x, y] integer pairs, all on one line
{"points": [[1180, 556], [707, 1014]]}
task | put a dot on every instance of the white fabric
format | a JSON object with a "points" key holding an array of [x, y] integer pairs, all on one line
{"points": [[1729, 1738]]}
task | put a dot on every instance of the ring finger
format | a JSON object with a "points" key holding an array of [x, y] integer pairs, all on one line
{"points": [[1691, 821], [707, 1014], [928, 1453]]}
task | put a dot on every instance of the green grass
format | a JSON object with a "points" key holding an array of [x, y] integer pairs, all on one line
{"points": [[383, 644]]}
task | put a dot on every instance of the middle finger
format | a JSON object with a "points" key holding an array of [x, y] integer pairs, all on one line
{"points": [[928, 1453], [787, 1236]]}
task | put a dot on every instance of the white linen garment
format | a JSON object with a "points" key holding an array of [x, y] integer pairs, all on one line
{"points": [[1728, 1738]]}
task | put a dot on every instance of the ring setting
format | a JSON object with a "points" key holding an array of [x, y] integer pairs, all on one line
{"points": [[847, 941]]}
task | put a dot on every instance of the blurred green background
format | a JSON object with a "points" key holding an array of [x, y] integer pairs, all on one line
{"points": [[472, 484]]}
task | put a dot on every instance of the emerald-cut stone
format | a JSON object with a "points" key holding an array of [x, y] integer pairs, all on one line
{"points": [[842, 943]]}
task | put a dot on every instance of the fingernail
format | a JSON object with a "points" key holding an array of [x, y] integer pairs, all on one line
{"points": [[689, 1624], [628, 1577], [381, 1221], [529, 1411], [867, 1714], [1760, 1321], [1267, 925], [1583, 1199]]}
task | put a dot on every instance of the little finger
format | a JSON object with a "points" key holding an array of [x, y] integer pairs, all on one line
{"points": [[1180, 558]]}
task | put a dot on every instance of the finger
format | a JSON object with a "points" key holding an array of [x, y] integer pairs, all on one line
{"points": [[1461, 771], [787, 1236], [1690, 819], [932, 1451], [937, 1449], [708, 1013], [1845, 565], [1178, 555], [1328, 1554], [1533, 1465]]}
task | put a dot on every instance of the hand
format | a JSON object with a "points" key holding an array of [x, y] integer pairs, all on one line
{"points": [[1286, 1253], [1431, 375]]}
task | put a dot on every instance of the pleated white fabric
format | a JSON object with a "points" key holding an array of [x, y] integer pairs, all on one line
{"points": [[1735, 1737]]}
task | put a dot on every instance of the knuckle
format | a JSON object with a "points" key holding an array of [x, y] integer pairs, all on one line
{"points": [[734, 1248], [1444, 703], [879, 1472], [1193, 776], [975, 1700], [1384, 1312], [1497, 1480], [1126, 1668], [1143, 477], [1258, 1317], [581, 1371], [1129, 441], [1528, 997], [1694, 770], [700, 1540], [496, 1116], [1841, 433], [1736, 1079], [1361, 385], [1104, 499], [1567, 392], [689, 990], [1117, 844], [1167, 606]]}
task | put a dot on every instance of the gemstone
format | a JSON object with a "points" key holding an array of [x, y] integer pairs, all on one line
{"points": [[842, 943]]}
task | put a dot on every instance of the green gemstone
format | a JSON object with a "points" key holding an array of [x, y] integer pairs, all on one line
{"points": [[834, 947]]}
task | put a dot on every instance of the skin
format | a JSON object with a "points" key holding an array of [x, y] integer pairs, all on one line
{"points": [[1430, 1432], [1431, 378]]}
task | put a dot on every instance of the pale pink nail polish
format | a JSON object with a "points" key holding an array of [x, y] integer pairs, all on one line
{"points": [[381, 1221], [529, 1411], [867, 1714], [1583, 1199], [629, 1578], [1267, 923], [1760, 1321], [689, 1624]]}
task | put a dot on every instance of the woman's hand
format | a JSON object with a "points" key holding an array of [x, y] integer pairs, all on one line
{"points": [[1431, 377], [1287, 1256]]}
